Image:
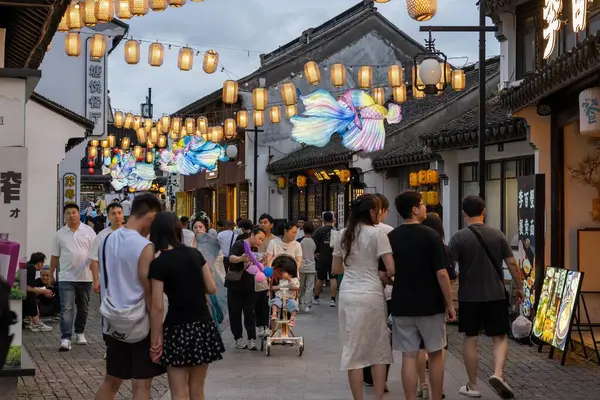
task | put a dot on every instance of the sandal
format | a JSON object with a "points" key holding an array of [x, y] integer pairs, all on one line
{"points": [[423, 391]]}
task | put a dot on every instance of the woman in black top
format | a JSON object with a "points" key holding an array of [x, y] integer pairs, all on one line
{"points": [[189, 339]]}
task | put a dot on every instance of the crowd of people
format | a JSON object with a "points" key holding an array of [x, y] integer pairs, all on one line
{"points": [[392, 286]]}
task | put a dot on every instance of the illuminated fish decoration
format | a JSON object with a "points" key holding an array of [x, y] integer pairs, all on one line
{"points": [[355, 116], [125, 171], [190, 155]]}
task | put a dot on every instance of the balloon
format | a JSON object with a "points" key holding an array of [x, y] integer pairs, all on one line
{"points": [[252, 256], [268, 272], [252, 269], [260, 277]]}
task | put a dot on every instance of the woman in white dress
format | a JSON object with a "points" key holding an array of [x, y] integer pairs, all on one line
{"points": [[362, 310]]}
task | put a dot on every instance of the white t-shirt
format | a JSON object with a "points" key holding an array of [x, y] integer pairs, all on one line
{"points": [[226, 240], [123, 250], [97, 241], [299, 234], [277, 247], [126, 204], [188, 237], [73, 251]]}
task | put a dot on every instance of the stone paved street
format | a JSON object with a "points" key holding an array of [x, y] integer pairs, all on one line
{"points": [[314, 376]]}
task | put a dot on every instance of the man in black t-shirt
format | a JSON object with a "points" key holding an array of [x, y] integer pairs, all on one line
{"points": [[324, 257], [421, 296]]}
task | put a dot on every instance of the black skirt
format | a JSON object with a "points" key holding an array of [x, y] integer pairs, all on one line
{"points": [[192, 344]]}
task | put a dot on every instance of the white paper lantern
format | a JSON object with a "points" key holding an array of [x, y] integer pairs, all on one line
{"points": [[231, 151], [589, 117]]}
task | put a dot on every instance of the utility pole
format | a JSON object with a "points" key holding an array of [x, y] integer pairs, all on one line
{"points": [[255, 177]]}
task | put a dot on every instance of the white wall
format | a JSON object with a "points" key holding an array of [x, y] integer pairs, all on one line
{"points": [[452, 160], [508, 46], [46, 134]]}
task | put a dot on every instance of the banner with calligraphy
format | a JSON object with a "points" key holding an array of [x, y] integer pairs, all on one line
{"points": [[95, 91], [13, 195], [530, 214]]}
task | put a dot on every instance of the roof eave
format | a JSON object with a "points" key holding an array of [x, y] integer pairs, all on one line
{"points": [[63, 111]]}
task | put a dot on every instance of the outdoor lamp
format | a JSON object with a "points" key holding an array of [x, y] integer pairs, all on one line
{"points": [[125, 142], [137, 151], [97, 46], [118, 120], [104, 144], [63, 25], [290, 111], [165, 123], [153, 135], [365, 77], [185, 60], [105, 10], [338, 75], [132, 51], [242, 119], [312, 73], [378, 95], [231, 151], [162, 141], [88, 13], [258, 118], [94, 143], [458, 80], [395, 75], [73, 44], [288, 93], [106, 152], [176, 124], [148, 124], [211, 61], [183, 132], [139, 7], [137, 122], [142, 136], [230, 92], [430, 74], [177, 3], [260, 98], [275, 114], [230, 128], [74, 20], [174, 135], [156, 54], [122, 9], [421, 10], [149, 156], [112, 140], [202, 125], [190, 124], [399, 94], [159, 5]]}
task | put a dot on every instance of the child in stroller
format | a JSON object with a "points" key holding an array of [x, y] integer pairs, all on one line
{"points": [[290, 284]]}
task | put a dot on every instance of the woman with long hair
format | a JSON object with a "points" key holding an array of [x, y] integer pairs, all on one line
{"points": [[362, 310], [188, 339]]}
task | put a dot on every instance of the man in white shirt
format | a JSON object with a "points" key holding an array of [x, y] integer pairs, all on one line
{"points": [[226, 240], [188, 235], [300, 226], [125, 257], [115, 216], [70, 253], [126, 204]]}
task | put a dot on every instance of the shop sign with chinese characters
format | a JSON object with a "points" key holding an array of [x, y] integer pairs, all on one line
{"points": [[551, 14], [589, 111], [13, 195], [12, 112], [70, 195], [95, 92]]}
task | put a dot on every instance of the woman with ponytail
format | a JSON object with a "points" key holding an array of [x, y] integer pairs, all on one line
{"points": [[364, 333]]}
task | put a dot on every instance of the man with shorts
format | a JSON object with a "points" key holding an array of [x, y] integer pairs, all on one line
{"points": [[125, 257], [324, 257], [421, 295], [480, 250]]}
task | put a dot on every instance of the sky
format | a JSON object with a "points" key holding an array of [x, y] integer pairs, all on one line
{"points": [[241, 30]]}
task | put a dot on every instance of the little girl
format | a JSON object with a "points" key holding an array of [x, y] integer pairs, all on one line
{"points": [[292, 284]]}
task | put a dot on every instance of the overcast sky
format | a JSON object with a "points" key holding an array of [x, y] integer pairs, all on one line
{"points": [[240, 30]]}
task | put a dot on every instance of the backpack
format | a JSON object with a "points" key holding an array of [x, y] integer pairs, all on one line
{"points": [[129, 325], [7, 318]]}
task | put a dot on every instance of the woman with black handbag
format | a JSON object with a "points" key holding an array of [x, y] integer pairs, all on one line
{"points": [[240, 290]]}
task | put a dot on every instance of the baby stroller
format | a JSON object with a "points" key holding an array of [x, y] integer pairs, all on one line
{"points": [[282, 333]]}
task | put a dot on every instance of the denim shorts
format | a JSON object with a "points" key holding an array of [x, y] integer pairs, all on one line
{"points": [[292, 304]]}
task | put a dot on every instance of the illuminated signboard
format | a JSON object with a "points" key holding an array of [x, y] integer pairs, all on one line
{"points": [[551, 13]]}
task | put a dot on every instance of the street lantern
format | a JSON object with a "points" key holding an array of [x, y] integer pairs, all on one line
{"points": [[106, 152], [148, 123], [156, 53], [149, 156], [260, 98], [288, 93], [176, 124], [97, 46], [118, 119], [105, 10], [73, 44], [215, 134], [231, 151], [365, 77], [104, 143], [122, 9], [165, 122], [137, 151], [211, 61], [139, 7], [242, 119], [88, 13], [230, 92], [399, 94], [230, 128], [431, 73], [112, 140], [378, 95], [162, 141], [202, 125], [125, 142], [94, 143], [128, 122], [190, 124], [338, 75], [153, 137], [458, 80], [258, 117], [290, 111], [142, 136], [159, 5], [132, 51], [177, 3], [137, 122], [63, 25], [421, 10], [275, 114], [312, 73], [185, 60], [395, 75], [74, 19], [92, 151]]}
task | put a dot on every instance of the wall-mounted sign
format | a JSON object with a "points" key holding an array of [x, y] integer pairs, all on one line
{"points": [[340, 204], [211, 174], [551, 14], [95, 91], [589, 111], [12, 112], [70, 195], [92, 187], [13, 195]]}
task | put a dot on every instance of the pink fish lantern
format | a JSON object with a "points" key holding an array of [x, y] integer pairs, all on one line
{"points": [[252, 269], [260, 277], [9, 259]]}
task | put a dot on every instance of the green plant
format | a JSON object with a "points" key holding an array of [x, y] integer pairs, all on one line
{"points": [[16, 293], [13, 359]]}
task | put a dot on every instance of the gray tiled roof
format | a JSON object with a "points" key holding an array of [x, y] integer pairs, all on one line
{"points": [[333, 153]]}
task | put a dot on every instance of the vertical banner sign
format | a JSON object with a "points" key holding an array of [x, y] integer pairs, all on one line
{"points": [[340, 207], [530, 213], [70, 195], [13, 195], [95, 91]]}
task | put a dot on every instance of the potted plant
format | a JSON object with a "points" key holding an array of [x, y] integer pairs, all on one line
{"points": [[588, 172], [15, 300]]}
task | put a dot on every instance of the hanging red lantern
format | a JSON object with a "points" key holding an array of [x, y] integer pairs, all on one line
{"points": [[91, 157], [90, 164], [140, 158], [116, 150], [91, 171]]}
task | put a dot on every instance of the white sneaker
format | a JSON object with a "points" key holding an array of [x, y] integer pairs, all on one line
{"points": [[80, 339], [316, 302], [332, 303], [467, 391], [260, 331], [308, 308], [65, 345], [251, 344], [240, 344], [41, 327]]}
